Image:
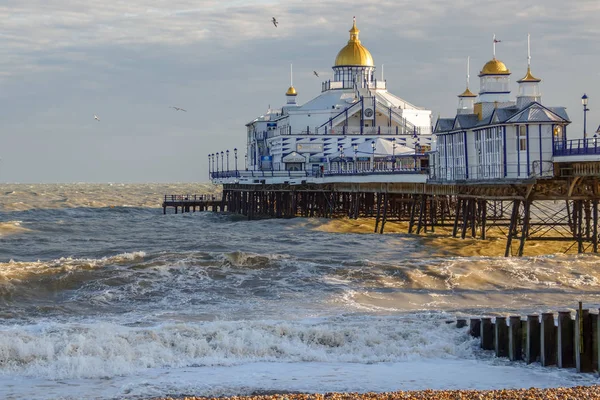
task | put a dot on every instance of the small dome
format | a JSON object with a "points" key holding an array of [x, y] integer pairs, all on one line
{"points": [[467, 93], [291, 91], [529, 77], [494, 67], [354, 53]]}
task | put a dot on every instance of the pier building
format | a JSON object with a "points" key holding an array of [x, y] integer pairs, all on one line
{"points": [[355, 125], [356, 150]]}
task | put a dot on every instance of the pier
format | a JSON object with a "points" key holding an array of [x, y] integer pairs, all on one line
{"points": [[191, 202]]}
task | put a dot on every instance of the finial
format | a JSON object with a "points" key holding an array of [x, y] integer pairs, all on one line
{"points": [[494, 45], [528, 52], [468, 75]]}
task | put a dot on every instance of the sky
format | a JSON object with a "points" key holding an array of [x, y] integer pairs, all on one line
{"points": [[63, 61]]}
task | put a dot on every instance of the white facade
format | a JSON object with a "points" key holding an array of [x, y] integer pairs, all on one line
{"points": [[500, 138], [352, 110]]}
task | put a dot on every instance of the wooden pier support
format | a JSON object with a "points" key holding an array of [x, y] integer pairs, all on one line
{"points": [[532, 348], [583, 341], [501, 342], [548, 340], [515, 338], [475, 327], [487, 334], [461, 323], [565, 357]]}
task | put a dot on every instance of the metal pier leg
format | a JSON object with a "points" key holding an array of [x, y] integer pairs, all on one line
{"points": [[385, 211], [595, 225], [513, 227], [525, 231], [457, 213]]}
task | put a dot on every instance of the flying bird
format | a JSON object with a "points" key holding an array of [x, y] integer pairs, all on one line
{"points": [[178, 109], [96, 118], [316, 73], [274, 22]]}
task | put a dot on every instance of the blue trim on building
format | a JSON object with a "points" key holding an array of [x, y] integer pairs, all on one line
{"points": [[518, 129], [527, 136], [541, 157], [504, 150], [446, 155], [466, 156]]}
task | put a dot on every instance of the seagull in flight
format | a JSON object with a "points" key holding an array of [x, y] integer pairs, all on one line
{"points": [[178, 109], [96, 118], [274, 22], [316, 73]]}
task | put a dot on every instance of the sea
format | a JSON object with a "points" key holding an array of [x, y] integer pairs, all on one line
{"points": [[104, 297]]}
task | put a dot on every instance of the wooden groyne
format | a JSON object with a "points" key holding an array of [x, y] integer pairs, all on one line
{"points": [[551, 339]]}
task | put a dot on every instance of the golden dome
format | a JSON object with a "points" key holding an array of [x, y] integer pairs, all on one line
{"points": [[291, 91], [494, 67], [354, 53], [529, 77], [467, 93]]}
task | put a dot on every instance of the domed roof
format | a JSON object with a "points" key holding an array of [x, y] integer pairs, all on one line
{"points": [[291, 91], [354, 53], [467, 93], [529, 77], [494, 67]]}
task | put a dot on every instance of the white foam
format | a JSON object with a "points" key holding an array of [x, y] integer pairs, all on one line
{"points": [[62, 351]]}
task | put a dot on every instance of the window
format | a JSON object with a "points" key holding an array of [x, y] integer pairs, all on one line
{"points": [[523, 138]]}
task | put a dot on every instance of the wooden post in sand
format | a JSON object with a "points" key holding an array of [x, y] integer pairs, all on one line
{"points": [[475, 327], [487, 334], [501, 337], [566, 357], [532, 350], [583, 341], [461, 323], [548, 340], [515, 338]]}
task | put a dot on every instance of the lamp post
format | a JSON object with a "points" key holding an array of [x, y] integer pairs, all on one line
{"points": [[373, 162], [209, 169], [355, 157], [222, 162], [235, 155], [227, 152], [341, 149], [246, 161], [393, 154], [217, 162], [584, 102]]}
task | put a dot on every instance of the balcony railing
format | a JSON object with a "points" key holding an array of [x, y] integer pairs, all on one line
{"points": [[577, 147]]}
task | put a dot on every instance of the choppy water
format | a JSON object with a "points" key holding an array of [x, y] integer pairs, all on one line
{"points": [[103, 296]]}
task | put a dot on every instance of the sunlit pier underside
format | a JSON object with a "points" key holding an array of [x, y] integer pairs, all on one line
{"points": [[562, 208]]}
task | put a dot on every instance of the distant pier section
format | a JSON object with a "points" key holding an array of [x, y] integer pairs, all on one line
{"points": [[191, 202]]}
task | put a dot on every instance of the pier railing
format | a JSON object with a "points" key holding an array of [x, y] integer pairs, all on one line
{"points": [[577, 147], [191, 198]]}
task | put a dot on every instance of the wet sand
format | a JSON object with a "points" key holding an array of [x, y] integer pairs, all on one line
{"points": [[573, 393], [443, 244]]}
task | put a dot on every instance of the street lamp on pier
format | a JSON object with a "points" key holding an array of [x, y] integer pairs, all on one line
{"points": [[246, 161], [217, 162], [355, 157], [222, 162], [373, 161], [341, 149], [393, 154], [235, 155], [584, 102], [209, 169], [227, 152]]}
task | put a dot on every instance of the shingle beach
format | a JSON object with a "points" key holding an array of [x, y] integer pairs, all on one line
{"points": [[571, 393]]}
